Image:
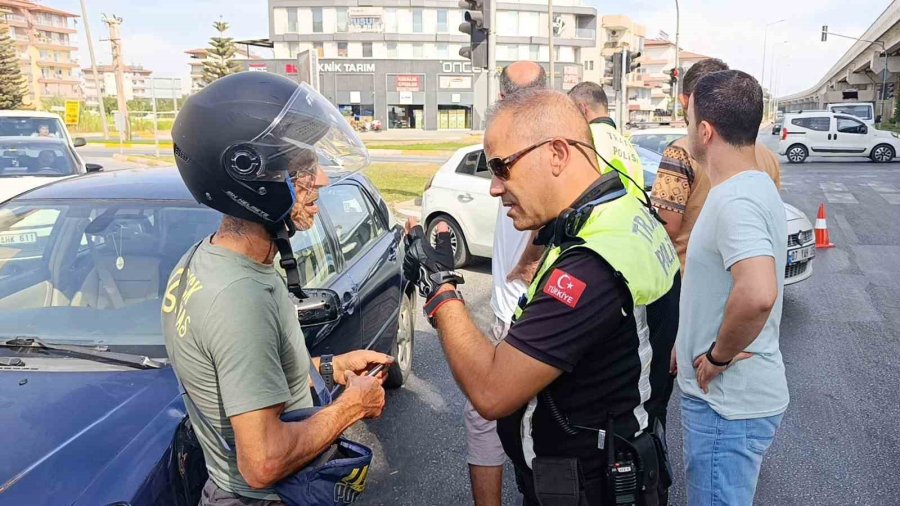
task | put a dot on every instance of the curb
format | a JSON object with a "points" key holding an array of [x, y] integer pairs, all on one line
{"points": [[149, 161]]}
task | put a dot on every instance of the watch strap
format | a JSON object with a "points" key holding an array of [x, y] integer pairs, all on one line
{"points": [[439, 300], [326, 370], [713, 361]]}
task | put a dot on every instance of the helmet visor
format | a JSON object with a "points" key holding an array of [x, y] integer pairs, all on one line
{"points": [[308, 135]]}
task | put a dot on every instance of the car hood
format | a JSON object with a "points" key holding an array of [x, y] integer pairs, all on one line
{"points": [[793, 213], [12, 186], [883, 133], [62, 429]]}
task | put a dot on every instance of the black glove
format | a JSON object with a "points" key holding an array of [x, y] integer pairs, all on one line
{"points": [[428, 268]]}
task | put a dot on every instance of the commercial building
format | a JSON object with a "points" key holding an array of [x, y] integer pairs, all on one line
{"points": [[45, 41], [137, 83], [398, 61], [858, 74]]}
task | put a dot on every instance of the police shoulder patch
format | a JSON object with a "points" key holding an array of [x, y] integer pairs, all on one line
{"points": [[564, 287]]}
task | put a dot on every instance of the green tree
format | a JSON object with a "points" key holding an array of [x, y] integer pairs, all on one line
{"points": [[13, 86], [219, 60]]}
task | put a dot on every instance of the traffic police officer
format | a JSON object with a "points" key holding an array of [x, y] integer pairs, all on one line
{"points": [[614, 149], [569, 383]]}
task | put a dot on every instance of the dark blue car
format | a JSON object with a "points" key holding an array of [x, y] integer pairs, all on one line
{"points": [[90, 409]]}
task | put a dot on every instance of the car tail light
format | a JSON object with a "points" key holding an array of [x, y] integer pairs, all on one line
{"points": [[783, 133]]}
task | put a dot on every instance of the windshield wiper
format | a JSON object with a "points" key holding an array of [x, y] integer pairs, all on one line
{"points": [[96, 353]]}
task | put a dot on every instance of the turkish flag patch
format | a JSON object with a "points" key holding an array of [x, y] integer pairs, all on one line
{"points": [[564, 287]]}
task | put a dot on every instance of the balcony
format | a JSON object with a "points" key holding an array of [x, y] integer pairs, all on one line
{"points": [[60, 64], [49, 44], [16, 20], [54, 28], [59, 80]]}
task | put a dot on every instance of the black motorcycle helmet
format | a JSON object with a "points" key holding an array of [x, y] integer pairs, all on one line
{"points": [[241, 141]]}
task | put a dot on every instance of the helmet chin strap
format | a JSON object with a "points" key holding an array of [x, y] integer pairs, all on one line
{"points": [[281, 235]]}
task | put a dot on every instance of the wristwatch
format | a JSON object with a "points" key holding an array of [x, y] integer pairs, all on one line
{"points": [[431, 306], [326, 370], [713, 361]]}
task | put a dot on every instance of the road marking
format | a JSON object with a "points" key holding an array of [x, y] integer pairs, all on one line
{"points": [[840, 198], [892, 198], [846, 229], [882, 187], [833, 187]]}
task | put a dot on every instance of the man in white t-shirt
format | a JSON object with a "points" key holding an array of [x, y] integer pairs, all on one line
{"points": [[510, 281]]}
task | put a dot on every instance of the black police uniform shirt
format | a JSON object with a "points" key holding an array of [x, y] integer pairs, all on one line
{"points": [[594, 341]]}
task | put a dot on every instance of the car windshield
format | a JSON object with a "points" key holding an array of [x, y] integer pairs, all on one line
{"points": [[860, 111], [81, 272], [95, 272], [32, 127], [35, 158], [656, 143]]}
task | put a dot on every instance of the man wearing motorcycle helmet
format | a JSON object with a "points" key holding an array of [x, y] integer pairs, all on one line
{"points": [[250, 145]]}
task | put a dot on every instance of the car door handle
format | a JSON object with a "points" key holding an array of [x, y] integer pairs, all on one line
{"points": [[464, 197], [392, 253], [350, 299]]}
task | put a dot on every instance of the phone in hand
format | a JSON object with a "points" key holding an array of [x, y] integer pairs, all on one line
{"points": [[376, 370]]}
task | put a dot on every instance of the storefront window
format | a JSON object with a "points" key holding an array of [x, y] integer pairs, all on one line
{"points": [[454, 117], [406, 116], [360, 116]]}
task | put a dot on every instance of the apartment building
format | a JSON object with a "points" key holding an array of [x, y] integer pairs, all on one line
{"points": [[45, 39], [198, 56], [658, 61], [137, 83]]}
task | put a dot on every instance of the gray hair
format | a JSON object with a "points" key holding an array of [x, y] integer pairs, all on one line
{"points": [[542, 113], [590, 94], [508, 86]]}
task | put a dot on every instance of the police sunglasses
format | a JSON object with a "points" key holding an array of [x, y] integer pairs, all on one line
{"points": [[500, 167]]}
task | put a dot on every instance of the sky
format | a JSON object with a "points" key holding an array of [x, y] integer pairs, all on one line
{"points": [[156, 33]]}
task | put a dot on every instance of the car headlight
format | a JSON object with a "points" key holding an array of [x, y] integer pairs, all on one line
{"points": [[806, 236]]}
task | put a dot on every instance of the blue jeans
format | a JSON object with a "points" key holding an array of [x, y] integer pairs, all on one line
{"points": [[722, 457]]}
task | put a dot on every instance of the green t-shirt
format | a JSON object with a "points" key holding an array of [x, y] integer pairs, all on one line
{"points": [[237, 347]]}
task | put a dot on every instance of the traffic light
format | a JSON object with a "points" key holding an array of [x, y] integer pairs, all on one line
{"points": [[632, 62], [477, 26], [673, 76], [617, 71], [824, 33]]}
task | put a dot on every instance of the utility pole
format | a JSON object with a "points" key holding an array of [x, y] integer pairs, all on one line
{"points": [[675, 93], [550, 39], [115, 40], [826, 33], [492, 54], [90, 42]]}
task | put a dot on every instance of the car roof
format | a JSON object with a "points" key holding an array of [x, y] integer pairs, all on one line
{"points": [[155, 183], [7, 113]]}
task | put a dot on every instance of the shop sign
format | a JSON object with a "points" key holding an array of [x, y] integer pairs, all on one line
{"points": [[258, 67], [461, 67], [291, 69], [348, 68], [456, 98], [410, 82], [354, 97], [406, 97], [455, 82], [365, 20]]}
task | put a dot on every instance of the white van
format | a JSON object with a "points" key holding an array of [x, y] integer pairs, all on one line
{"points": [[865, 111], [821, 133]]}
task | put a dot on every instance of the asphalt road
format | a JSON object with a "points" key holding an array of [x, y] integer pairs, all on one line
{"points": [[838, 444]]}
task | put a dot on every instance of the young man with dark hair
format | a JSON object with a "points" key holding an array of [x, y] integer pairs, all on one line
{"points": [[681, 183], [731, 374]]}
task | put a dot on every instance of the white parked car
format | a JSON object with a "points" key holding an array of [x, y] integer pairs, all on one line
{"points": [[823, 133], [459, 195], [29, 162]]}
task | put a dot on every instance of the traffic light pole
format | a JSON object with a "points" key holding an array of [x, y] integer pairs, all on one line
{"points": [[492, 57], [826, 33]]}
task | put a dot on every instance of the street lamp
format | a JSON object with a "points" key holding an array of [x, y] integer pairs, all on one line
{"points": [[773, 80], [762, 77], [675, 86]]}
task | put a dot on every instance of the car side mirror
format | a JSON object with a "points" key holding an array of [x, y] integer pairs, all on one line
{"points": [[93, 167], [321, 306], [864, 130], [79, 141]]}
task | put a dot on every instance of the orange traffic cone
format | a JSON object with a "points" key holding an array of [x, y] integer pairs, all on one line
{"points": [[822, 238]]}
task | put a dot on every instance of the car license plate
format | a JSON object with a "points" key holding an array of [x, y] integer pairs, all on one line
{"points": [[801, 254], [21, 238]]}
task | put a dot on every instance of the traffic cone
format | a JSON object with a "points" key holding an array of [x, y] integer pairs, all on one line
{"points": [[822, 239]]}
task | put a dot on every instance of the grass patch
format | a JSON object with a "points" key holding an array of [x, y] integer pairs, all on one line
{"points": [[400, 182], [425, 146]]}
